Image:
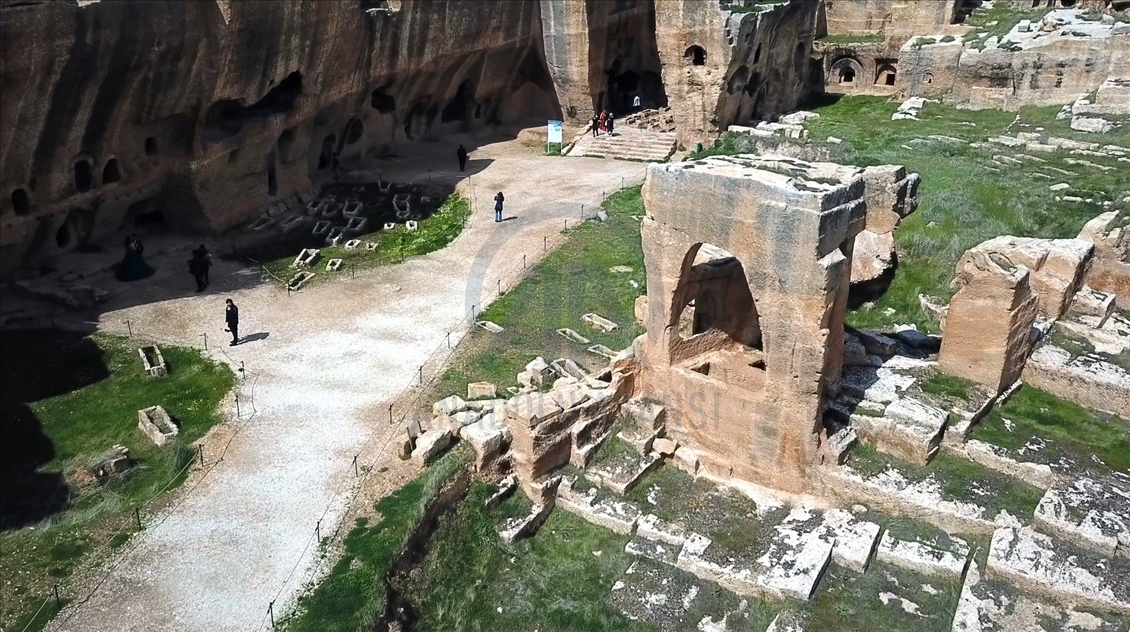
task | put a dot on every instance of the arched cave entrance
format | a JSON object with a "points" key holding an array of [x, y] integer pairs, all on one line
{"points": [[112, 172], [696, 55], [461, 105], [353, 131], [63, 236], [21, 203], [84, 174], [885, 74], [286, 141], [624, 56]]}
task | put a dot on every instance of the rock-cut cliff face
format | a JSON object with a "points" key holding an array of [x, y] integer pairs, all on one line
{"points": [[208, 111]]}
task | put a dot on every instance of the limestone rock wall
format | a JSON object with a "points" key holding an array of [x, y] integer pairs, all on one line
{"points": [[1110, 270], [897, 20], [753, 64], [209, 111]]}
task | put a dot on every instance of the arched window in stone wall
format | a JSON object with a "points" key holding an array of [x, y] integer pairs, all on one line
{"points": [[21, 203], [84, 173], [885, 74], [846, 71], [695, 55]]}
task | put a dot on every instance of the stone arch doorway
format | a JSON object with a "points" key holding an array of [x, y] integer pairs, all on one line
{"points": [[624, 56], [846, 72], [325, 158], [716, 319]]}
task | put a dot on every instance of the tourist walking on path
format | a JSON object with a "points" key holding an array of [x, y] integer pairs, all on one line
{"points": [[498, 200], [461, 154], [231, 316], [195, 268], [603, 118], [595, 124], [610, 123], [636, 103], [205, 262]]}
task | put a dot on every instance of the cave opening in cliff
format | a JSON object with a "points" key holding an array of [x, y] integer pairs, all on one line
{"points": [[624, 56], [112, 172], [63, 236], [696, 55], [151, 146], [84, 175], [272, 179], [226, 117], [382, 101], [21, 204], [461, 105], [353, 131], [325, 159]]}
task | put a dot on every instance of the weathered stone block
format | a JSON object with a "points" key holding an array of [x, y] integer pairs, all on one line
{"points": [[156, 424]]}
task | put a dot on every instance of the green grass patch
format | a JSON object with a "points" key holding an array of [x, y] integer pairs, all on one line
{"points": [[947, 386], [553, 581], [959, 480], [394, 246], [77, 397], [851, 602], [1068, 429], [353, 595], [570, 282], [998, 21]]}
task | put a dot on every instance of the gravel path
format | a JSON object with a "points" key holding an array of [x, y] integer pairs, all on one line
{"points": [[334, 358]]}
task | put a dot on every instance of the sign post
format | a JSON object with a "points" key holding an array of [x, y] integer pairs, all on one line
{"points": [[554, 135]]}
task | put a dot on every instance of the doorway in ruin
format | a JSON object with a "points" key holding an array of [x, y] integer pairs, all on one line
{"points": [[623, 55], [716, 319]]}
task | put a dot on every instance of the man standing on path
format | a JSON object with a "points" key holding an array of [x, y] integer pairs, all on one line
{"points": [[595, 124], [231, 315], [610, 123], [461, 153], [498, 200]]}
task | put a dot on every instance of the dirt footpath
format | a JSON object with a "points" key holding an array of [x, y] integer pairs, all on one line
{"points": [[324, 365]]}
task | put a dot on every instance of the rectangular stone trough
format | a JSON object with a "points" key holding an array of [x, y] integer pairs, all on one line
{"points": [[157, 425], [489, 326], [261, 224], [321, 228], [331, 211], [600, 322], [356, 224], [412, 225], [371, 245], [389, 226], [312, 207], [293, 223], [297, 281], [602, 351], [402, 201], [333, 265], [336, 234], [383, 187], [352, 244], [569, 334], [568, 368], [153, 362], [306, 258], [352, 209]]}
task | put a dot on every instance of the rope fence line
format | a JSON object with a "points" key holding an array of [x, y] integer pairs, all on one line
{"points": [[134, 333], [351, 488]]}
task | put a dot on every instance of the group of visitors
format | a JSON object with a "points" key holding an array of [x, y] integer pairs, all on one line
{"points": [[603, 123], [198, 266]]}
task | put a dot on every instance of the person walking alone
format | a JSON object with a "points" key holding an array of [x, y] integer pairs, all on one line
{"points": [[461, 154], [205, 262], [637, 104], [498, 200], [610, 123], [195, 267], [595, 125], [231, 316]]}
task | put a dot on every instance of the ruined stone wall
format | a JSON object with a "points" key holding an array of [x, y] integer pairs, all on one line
{"points": [[1034, 65], [863, 68], [897, 20], [760, 251], [753, 64], [211, 110]]}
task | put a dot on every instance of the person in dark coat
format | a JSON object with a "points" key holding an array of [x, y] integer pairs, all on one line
{"points": [[206, 263], [194, 268], [498, 200], [595, 124], [461, 153], [133, 266], [231, 316], [610, 123]]}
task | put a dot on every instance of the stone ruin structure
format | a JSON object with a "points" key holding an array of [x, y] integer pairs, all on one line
{"points": [[919, 49]]}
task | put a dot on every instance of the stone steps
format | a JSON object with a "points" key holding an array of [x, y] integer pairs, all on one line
{"points": [[627, 144]]}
